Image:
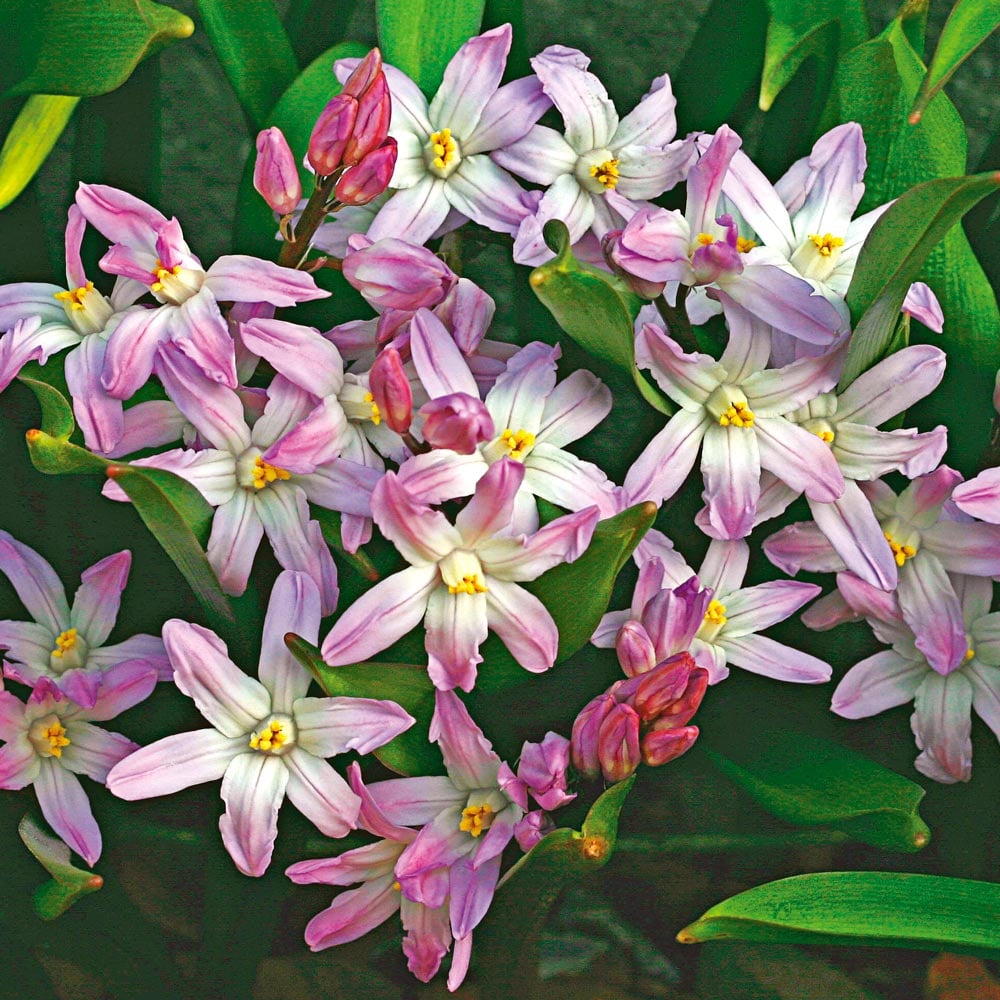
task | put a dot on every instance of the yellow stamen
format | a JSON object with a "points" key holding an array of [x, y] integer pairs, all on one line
{"points": [[65, 641], [376, 412], [825, 436], [743, 244], [271, 737], [900, 552], [606, 173], [705, 239], [468, 585], [737, 415], [75, 296], [444, 148], [396, 887], [264, 473], [518, 444], [161, 272], [969, 654], [716, 613], [475, 819], [826, 243]]}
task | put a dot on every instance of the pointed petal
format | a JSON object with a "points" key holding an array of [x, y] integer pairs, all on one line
{"points": [[35, 582], [320, 794], [353, 914], [942, 725], [965, 548], [330, 726], [724, 567], [523, 624], [540, 156], [198, 329], [802, 546], [659, 472], [487, 194], [877, 684], [132, 345], [579, 96], [414, 214], [422, 535], [253, 789], [99, 414], [19, 764], [93, 751], [799, 459], [892, 386], [932, 611], [730, 466], [456, 627], [294, 606], [439, 363], [688, 378], [764, 656], [490, 510], [508, 115], [240, 278], [563, 540], [96, 603], [232, 546], [300, 353], [756, 608], [66, 809], [865, 453], [468, 755], [573, 408]]}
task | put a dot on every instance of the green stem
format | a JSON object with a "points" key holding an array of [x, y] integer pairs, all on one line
{"points": [[293, 252], [717, 843], [676, 318]]}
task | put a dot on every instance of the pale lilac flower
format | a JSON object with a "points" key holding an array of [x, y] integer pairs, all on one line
{"points": [[739, 411], [443, 164], [268, 739], [601, 161], [943, 698], [922, 304], [150, 249], [461, 580], [51, 739], [64, 644], [42, 319], [927, 543], [980, 496]]}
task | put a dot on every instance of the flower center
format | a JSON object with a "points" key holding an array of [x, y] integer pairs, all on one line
{"points": [[900, 552], [442, 154], [743, 245], [518, 443], [87, 309], [175, 284], [597, 171], [376, 417], [276, 736], [264, 473], [606, 173], [823, 429], [70, 651], [48, 736], [826, 244], [729, 406], [817, 257], [462, 573], [705, 239], [358, 402], [475, 819], [715, 618]]}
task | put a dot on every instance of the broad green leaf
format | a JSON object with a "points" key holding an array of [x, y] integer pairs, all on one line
{"points": [[250, 42], [30, 140], [969, 24], [825, 29], [893, 256], [68, 883], [893, 909], [807, 780], [508, 936], [179, 517], [85, 48], [419, 37], [593, 309], [410, 753]]}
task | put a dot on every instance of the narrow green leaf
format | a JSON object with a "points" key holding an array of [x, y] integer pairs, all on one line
{"points": [[85, 48], [593, 309], [30, 140], [68, 883], [806, 780], [419, 37], [893, 909], [253, 48], [825, 29], [176, 514], [57, 415], [410, 753], [508, 937], [969, 24]]}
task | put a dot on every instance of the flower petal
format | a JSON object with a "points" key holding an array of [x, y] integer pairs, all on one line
{"points": [[730, 466], [523, 624], [35, 582], [253, 789], [456, 627], [320, 794], [330, 726], [66, 809], [877, 684], [96, 603], [764, 656], [942, 725], [294, 606]]}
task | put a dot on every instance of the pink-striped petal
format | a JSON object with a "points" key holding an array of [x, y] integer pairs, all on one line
{"points": [[799, 459], [320, 794], [942, 725], [239, 278], [236, 533], [353, 914], [300, 353], [35, 582], [66, 809], [330, 726], [523, 623], [253, 789], [468, 755], [98, 414], [659, 472], [93, 751], [762, 655], [877, 684], [96, 603], [456, 627], [294, 606], [730, 466]]}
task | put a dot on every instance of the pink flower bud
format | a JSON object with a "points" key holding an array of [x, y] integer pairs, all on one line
{"points": [[391, 274], [922, 304], [618, 743], [467, 312], [457, 421], [364, 74], [331, 133], [671, 691], [610, 246], [391, 390], [635, 649], [372, 124], [367, 179], [543, 769], [660, 746], [275, 175], [531, 828], [583, 741]]}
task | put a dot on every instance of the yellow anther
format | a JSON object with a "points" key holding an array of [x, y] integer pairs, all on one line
{"points": [[376, 412], [606, 173], [900, 552], [271, 737], [969, 654], [826, 243], [475, 819], [161, 272], [65, 641], [468, 585], [705, 239], [519, 443], [825, 436], [443, 147], [716, 613], [743, 244], [56, 735], [75, 296], [264, 473], [396, 887], [48, 736], [737, 415]]}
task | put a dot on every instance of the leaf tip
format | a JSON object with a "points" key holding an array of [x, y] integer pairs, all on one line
{"points": [[921, 838], [33, 436], [114, 471], [537, 278], [915, 115], [93, 883], [685, 936], [594, 848]]}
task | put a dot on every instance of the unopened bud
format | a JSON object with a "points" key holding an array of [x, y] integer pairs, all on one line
{"points": [[635, 649], [543, 769], [457, 421], [641, 286], [531, 828], [467, 312], [364, 74], [618, 743], [275, 175], [391, 390], [372, 124], [660, 746], [672, 691], [367, 179], [584, 739], [391, 274], [331, 133]]}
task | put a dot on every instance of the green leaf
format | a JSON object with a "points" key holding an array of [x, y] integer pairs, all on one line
{"points": [[826, 29], [969, 24], [806, 780], [68, 883], [419, 37], [592, 308], [30, 140], [254, 51], [893, 255], [85, 48], [508, 937], [893, 909], [410, 753]]}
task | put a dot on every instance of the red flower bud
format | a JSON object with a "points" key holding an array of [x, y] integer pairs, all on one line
{"points": [[635, 649], [391, 390], [618, 743], [672, 689], [583, 741], [369, 178], [372, 124], [457, 421], [660, 746], [275, 175], [364, 74], [331, 133]]}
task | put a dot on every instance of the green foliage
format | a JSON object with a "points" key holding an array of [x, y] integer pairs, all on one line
{"points": [[30, 140], [807, 780], [420, 36], [872, 908], [68, 883]]}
